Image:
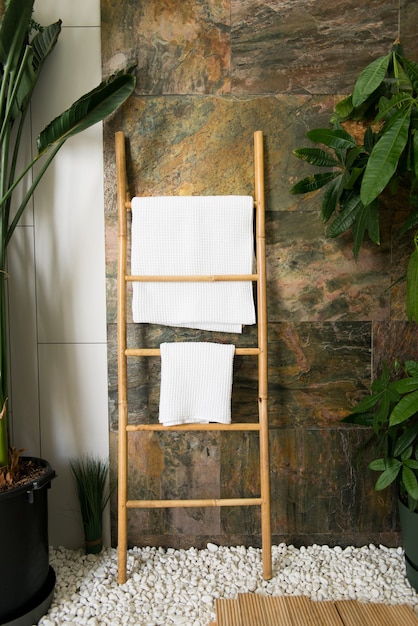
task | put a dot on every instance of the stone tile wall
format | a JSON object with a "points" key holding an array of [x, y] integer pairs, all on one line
{"points": [[210, 73]]}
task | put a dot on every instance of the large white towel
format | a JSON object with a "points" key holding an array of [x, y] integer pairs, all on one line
{"points": [[196, 382], [193, 235]]}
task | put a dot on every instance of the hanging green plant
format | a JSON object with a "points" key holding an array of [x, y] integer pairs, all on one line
{"points": [[385, 101], [91, 475]]}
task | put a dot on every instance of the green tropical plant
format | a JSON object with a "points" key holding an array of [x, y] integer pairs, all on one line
{"points": [[392, 411], [385, 101], [24, 47], [91, 478]]}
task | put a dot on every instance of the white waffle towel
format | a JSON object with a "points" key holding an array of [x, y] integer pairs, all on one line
{"points": [[196, 382], [193, 235]]}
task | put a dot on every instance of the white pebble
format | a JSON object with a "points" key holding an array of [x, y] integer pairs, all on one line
{"points": [[212, 547], [207, 599], [175, 587]]}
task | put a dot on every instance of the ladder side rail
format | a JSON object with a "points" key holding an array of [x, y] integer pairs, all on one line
{"points": [[263, 355], [121, 181]]}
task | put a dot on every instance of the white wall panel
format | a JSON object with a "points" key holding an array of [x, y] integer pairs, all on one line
{"points": [[24, 402], [58, 321], [71, 12]]}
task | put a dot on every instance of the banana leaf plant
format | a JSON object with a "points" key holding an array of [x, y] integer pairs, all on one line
{"points": [[392, 411], [24, 47], [384, 102]]}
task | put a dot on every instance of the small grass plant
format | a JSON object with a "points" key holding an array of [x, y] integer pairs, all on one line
{"points": [[91, 475]]}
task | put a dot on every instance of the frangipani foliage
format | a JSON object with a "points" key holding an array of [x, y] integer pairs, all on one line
{"points": [[385, 101], [24, 47]]}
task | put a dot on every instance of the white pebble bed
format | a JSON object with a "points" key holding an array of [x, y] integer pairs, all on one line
{"points": [[179, 586]]}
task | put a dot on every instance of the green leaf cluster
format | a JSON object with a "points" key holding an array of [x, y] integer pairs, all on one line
{"points": [[385, 101], [24, 47], [392, 411]]}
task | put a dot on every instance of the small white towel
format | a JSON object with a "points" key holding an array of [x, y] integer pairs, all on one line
{"points": [[193, 235], [196, 382]]}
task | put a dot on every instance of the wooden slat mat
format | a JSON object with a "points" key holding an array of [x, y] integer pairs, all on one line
{"points": [[257, 610]]}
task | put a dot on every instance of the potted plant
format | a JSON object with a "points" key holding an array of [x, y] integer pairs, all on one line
{"points": [[27, 580], [392, 411], [371, 147]]}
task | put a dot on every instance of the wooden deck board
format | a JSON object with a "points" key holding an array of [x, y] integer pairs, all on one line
{"points": [[258, 610]]}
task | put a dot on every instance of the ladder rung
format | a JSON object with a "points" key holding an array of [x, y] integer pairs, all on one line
{"points": [[128, 205], [133, 428], [157, 504], [157, 352], [205, 278]]}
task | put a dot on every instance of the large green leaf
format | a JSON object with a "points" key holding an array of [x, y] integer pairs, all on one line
{"points": [[359, 229], [331, 198], [372, 222], [384, 158], [405, 440], [88, 110], [405, 385], [369, 139], [378, 465], [389, 475], [411, 69], [44, 42], [370, 79], [368, 403], [14, 32], [343, 109], [411, 368], [356, 158], [410, 482], [15, 60], [367, 220], [346, 218], [41, 46], [383, 410], [338, 139], [403, 81], [316, 156], [406, 408], [387, 108], [314, 182]]}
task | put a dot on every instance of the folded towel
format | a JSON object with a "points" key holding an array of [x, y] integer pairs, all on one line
{"points": [[196, 382], [193, 235]]}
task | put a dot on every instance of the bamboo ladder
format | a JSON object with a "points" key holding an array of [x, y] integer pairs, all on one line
{"points": [[124, 504]]}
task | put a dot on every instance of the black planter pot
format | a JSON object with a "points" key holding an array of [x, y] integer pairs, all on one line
{"points": [[409, 529], [27, 580]]}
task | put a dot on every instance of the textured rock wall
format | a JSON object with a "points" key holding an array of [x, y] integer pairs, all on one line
{"points": [[210, 72]]}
